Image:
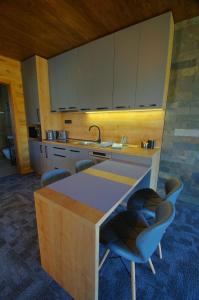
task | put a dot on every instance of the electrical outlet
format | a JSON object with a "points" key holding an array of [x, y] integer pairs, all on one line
{"points": [[67, 121]]}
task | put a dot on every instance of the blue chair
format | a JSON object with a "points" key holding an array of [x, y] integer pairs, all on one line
{"points": [[146, 200], [83, 164], [129, 236], [54, 175]]}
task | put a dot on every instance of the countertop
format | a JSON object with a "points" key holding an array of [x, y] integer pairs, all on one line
{"points": [[126, 150]]}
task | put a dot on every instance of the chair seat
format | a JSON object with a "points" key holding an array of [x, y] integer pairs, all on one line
{"points": [[145, 200], [54, 175], [120, 233], [83, 164]]}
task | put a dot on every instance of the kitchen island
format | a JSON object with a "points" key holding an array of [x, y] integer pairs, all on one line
{"points": [[69, 215]]}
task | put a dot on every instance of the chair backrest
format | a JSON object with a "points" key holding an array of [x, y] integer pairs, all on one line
{"points": [[148, 240], [83, 164], [173, 188], [54, 175]]}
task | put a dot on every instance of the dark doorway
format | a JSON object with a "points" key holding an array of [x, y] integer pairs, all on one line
{"points": [[7, 146]]}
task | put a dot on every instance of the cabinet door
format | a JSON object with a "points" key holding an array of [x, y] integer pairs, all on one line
{"points": [[74, 155], [29, 74], [95, 74], [46, 157], [125, 68], [36, 152], [154, 61], [59, 157], [62, 77]]}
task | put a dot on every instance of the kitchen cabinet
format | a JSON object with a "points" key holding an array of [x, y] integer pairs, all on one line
{"points": [[35, 150], [95, 74], [63, 81], [74, 155], [46, 154], [154, 61], [40, 156], [29, 74], [126, 44], [66, 157], [127, 69]]}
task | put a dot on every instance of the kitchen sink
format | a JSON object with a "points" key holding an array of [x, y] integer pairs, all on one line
{"points": [[86, 143]]}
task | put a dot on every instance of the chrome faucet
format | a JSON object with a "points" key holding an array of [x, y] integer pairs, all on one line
{"points": [[99, 133]]}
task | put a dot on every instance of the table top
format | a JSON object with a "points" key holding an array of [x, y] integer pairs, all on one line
{"points": [[98, 190]]}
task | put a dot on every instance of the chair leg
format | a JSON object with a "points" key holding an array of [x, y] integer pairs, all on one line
{"points": [[133, 285], [160, 250], [103, 258], [151, 266]]}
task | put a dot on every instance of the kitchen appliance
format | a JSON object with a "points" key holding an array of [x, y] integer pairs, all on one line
{"points": [[144, 144], [62, 135], [150, 144], [51, 135], [98, 156], [34, 132]]}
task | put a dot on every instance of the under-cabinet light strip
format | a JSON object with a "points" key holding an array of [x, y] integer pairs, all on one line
{"points": [[125, 111]]}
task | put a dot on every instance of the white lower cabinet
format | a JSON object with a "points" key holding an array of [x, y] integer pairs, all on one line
{"points": [[66, 157], [75, 155], [40, 156], [35, 150], [133, 158]]}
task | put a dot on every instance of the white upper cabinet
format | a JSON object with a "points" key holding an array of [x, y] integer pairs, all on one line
{"points": [[125, 67], [95, 74], [63, 85], [155, 50], [30, 86]]}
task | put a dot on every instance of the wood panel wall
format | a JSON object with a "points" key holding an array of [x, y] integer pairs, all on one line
{"points": [[10, 74]]}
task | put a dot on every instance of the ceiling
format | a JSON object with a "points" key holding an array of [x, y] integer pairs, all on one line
{"points": [[49, 27]]}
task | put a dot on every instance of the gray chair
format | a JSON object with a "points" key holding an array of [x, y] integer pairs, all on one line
{"points": [[146, 200], [54, 175], [83, 164], [129, 236]]}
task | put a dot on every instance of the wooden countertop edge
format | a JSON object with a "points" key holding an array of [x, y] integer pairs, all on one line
{"points": [[129, 150], [88, 214]]}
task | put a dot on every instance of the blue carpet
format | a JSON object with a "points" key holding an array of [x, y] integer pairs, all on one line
{"points": [[21, 276]]}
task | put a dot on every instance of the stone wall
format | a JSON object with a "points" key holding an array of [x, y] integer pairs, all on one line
{"points": [[180, 149]]}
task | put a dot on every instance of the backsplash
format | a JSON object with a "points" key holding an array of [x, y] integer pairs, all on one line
{"points": [[135, 125]]}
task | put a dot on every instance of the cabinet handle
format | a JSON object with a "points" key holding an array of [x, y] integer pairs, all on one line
{"points": [[41, 150], [38, 117], [59, 155], [72, 107], [71, 150], [59, 148], [150, 105], [46, 151], [62, 109], [85, 109], [122, 106], [101, 108], [53, 111]]}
